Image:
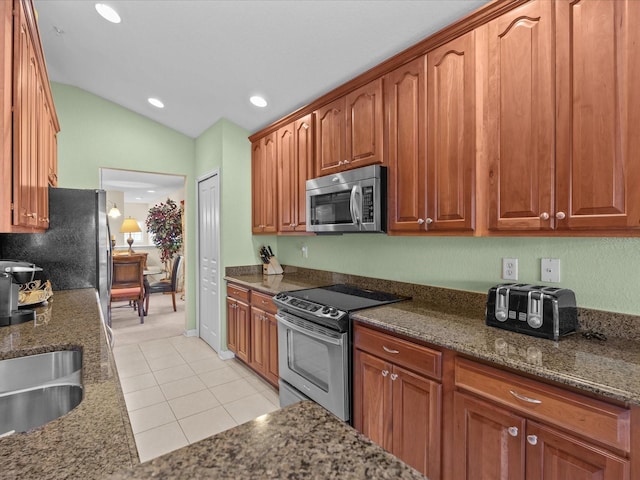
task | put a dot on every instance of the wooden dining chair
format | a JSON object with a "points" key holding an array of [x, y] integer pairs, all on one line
{"points": [[166, 287], [128, 281]]}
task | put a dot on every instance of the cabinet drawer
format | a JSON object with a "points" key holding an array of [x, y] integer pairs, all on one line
{"points": [[401, 352], [238, 292], [263, 302], [588, 417]]}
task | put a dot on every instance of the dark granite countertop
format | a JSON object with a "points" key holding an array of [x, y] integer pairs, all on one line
{"points": [[610, 368], [302, 441], [94, 438]]}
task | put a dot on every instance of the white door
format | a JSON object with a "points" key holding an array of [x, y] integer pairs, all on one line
{"points": [[208, 266]]}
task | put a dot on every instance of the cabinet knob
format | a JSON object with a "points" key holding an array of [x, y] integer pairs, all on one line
{"points": [[305, 126], [544, 216], [513, 431], [45, 219], [532, 439], [420, 221], [394, 376], [429, 220], [346, 162], [560, 215], [385, 373], [31, 215], [339, 163]]}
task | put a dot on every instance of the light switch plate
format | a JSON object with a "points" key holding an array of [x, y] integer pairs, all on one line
{"points": [[550, 270]]}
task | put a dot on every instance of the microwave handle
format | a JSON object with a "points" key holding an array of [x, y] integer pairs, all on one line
{"points": [[355, 207]]}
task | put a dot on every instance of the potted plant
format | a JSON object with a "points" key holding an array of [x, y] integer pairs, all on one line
{"points": [[164, 221]]}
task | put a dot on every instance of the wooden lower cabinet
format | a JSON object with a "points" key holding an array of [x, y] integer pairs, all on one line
{"points": [[499, 437], [252, 330], [397, 408], [238, 321]]}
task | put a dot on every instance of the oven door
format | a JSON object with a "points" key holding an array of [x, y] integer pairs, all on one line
{"points": [[315, 361]]}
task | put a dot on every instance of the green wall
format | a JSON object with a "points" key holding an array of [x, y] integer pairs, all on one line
{"points": [[603, 272], [96, 133]]}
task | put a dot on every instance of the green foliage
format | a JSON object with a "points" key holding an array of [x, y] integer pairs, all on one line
{"points": [[164, 221]]}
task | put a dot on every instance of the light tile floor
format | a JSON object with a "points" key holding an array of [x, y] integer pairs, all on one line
{"points": [[178, 391]]}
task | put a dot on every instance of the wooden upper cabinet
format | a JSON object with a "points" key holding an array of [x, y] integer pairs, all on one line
{"points": [[29, 124], [451, 137], [349, 130], [520, 126], [598, 104], [295, 167], [405, 109], [264, 185]]}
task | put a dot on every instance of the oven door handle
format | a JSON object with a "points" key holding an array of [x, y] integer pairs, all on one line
{"points": [[309, 333]]}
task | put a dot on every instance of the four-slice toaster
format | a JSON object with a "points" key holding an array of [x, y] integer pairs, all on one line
{"points": [[547, 312]]}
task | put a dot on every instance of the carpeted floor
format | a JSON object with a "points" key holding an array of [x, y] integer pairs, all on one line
{"points": [[160, 322]]}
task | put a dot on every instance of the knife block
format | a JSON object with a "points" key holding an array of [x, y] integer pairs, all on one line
{"points": [[272, 268]]}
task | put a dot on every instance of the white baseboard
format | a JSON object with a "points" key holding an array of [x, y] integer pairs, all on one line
{"points": [[191, 333], [226, 355]]}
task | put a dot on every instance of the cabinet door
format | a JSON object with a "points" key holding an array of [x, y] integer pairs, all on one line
{"points": [[489, 441], [295, 167], [243, 332], [405, 95], [330, 137], [232, 325], [365, 122], [287, 178], [552, 455], [451, 138], [259, 340], [372, 397], [520, 127], [272, 349], [598, 101], [264, 184], [416, 421]]}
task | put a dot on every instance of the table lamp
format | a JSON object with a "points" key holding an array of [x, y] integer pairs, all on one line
{"points": [[129, 226]]}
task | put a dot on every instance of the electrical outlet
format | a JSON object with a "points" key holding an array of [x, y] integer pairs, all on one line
{"points": [[550, 270], [305, 251], [510, 269]]}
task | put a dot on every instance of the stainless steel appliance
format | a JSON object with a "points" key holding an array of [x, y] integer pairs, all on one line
{"points": [[351, 201], [75, 252], [314, 343], [538, 310], [12, 274]]}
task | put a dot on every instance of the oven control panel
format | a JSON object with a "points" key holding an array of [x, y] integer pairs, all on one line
{"points": [[307, 308]]}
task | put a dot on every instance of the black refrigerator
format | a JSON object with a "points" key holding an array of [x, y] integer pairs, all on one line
{"points": [[75, 252]]}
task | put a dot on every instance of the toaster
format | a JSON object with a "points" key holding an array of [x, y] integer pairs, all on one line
{"points": [[546, 312]]}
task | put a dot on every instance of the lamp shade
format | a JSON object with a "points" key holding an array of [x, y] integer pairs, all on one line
{"points": [[130, 225], [114, 212]]}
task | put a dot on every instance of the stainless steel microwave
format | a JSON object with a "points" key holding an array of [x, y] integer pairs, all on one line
{"points": [[351, 201]]}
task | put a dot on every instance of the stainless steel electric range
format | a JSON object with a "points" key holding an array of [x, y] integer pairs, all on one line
{"points": [[314, 343]]}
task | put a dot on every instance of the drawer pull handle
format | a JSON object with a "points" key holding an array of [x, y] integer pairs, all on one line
{"points": [[394, 376], [388, 350], [513, 431], [524, 398], [532, 439], [385, 373]]}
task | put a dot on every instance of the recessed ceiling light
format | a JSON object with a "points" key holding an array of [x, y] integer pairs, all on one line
{"points": [[108, 13], [151, 191], [258, 101], [155, 102]]}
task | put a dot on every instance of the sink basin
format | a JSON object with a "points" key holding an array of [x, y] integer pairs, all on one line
{"points": [[37, 389], [26, 409], [37, 370]]}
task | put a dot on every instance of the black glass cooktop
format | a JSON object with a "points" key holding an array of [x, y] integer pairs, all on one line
{"points": [[346, 297]]}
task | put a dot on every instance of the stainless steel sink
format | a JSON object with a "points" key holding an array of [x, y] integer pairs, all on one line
{"points": [[21, 411], [37, 389], [38, 370]]}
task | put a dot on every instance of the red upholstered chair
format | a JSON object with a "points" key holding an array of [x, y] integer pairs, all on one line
{"points": [[128, 281]]}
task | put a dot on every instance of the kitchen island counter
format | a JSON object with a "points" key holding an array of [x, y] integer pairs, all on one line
{"points": [[302, 441]]}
